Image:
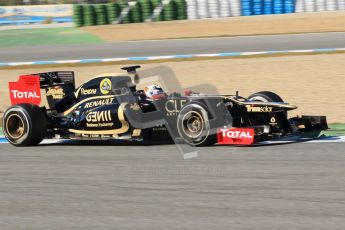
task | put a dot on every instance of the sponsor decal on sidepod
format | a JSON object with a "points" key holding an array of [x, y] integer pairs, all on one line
{"points": [[235, 136], [88, 91], [99, 119]]}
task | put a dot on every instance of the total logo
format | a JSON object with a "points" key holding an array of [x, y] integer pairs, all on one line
{"points": [[235, 136], [18, 94]]}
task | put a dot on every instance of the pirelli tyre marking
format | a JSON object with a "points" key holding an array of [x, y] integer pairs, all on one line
{"points": [[124, 128]]}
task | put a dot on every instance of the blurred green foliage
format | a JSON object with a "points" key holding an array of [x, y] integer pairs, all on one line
{"points": [[102, 14]]}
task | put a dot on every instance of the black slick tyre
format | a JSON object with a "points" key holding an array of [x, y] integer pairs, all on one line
{"points": [[265, 96], [24, 125]]}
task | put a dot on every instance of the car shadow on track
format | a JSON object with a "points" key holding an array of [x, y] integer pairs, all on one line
{"points": [[153, 143], [166, 142], [103, 143]]}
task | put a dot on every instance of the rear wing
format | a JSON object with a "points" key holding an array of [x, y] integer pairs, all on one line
{"points": [[27, 89], [50, 79]]}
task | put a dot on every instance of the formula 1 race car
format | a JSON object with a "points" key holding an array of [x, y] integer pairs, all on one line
{"points": [[110, 107]]}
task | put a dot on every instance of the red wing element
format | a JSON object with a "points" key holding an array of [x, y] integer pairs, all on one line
{"points": [[25, 90], [235, 136], [159, 96]]}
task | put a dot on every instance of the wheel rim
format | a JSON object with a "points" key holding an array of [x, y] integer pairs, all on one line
{"points": [[193, 124], [15, 126]]}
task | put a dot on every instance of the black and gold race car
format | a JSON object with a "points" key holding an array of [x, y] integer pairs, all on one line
{"points": [[110, 107]]}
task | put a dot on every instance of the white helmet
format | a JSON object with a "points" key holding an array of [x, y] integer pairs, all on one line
{"points": [[153, 91]]}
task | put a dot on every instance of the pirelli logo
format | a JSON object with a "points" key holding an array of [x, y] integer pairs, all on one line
{"points": [[258, 109]]}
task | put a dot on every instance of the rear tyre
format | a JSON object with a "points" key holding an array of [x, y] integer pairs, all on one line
{"points": [[24, 125], [265, 96], [193, 126]]}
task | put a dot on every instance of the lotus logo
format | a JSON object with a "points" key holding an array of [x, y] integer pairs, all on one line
{"points": [[105, 86]]}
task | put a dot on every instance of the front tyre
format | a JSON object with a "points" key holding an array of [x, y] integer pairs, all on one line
{"points": [[265, 96], [193, 125], [24, 125]]}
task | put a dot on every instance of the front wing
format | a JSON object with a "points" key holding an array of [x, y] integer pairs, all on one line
{"points": [[302, 127]]}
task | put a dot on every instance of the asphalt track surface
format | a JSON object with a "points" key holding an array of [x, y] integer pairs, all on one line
{"points": [[173, 47], [100, 186]]}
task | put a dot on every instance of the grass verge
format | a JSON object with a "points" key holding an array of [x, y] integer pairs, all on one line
{"points": [[47, 36], [335, 130]]}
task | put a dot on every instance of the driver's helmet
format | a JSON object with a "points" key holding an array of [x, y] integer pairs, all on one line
{"points": [[154, 92]]}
